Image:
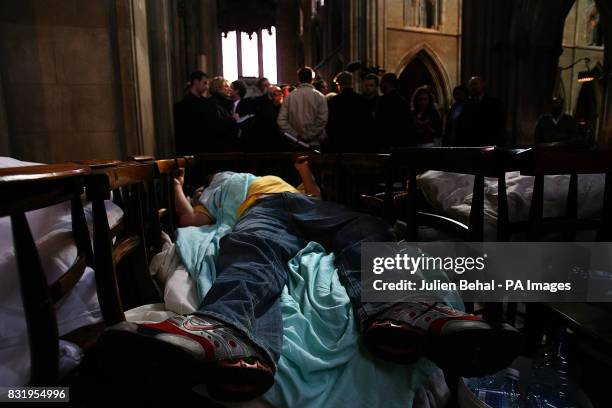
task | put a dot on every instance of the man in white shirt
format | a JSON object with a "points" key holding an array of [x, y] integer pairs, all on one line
{"points": [[303, 114]]}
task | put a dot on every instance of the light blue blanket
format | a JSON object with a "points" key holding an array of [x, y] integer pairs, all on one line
{"points": [[199, 246], [323, 362]]}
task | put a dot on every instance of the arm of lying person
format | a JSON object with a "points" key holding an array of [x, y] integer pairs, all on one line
{"points": [[308, 180], [188, 216]]}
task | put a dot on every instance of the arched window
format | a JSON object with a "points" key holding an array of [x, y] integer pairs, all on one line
{"points": [[423, 13], [249, 56]]}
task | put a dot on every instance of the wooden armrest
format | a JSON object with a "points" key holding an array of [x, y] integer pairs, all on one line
{"points": [[125, 247], [486, 160], [99, 164], [117, 229], [68, 280]]}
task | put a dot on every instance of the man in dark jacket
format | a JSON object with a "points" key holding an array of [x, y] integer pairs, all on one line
{"points": [[370, 86], [242, 106], [349, 120], [391, 121], [266, 136], [483, 120], [556, 126], [243, 111], [190, 116]]}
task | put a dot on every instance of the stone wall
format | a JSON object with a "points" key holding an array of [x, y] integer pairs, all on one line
{"points": [[59, 80], [403, 42], [75, 79]]}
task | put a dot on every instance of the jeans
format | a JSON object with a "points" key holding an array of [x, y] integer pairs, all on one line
{"points": [[253, 257]]}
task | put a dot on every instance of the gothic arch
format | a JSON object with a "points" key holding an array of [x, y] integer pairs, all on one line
{"points": [[424, 55]]}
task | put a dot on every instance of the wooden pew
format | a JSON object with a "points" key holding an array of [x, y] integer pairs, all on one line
{"points": [[364, 182], [590, 323], [540, 162], [480, 162], [27, 189], [124, 262], [163, 186], [280, 164]]}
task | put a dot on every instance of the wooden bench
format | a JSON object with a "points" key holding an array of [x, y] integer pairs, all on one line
{"points": [[121, 255], [480, 162], [32, 188]]}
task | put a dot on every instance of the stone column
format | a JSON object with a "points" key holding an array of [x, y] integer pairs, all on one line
{"points": [[377, 39], [539, 25], [515, 45], [288, 48], [605, 128], [132, 53], [358, 31], [161, 37], [211, 55], [5, 141]]}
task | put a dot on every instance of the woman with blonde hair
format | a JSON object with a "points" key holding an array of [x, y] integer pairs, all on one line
{"points": [[219, 86], [225, 130]]}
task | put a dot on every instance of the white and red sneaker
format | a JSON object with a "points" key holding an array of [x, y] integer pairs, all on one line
{"points": [[197, 349], [459, 342]]}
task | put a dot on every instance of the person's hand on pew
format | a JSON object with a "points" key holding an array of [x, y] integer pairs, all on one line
{"points": [[180, 177], [301, 164], [303, 168], [190, 212]]}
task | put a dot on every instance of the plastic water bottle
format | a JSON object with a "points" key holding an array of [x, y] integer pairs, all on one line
{"points": [[499, 390], [549, 384]]}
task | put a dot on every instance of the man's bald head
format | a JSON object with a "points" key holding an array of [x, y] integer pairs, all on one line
{"points": [[275, 94], [477, 86]]}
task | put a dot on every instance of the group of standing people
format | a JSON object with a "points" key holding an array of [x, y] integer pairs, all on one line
{"points": [[475, 118], [217, 116]]}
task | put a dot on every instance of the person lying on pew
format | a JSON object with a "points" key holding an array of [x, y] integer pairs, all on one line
{"points": [[233, 341]]}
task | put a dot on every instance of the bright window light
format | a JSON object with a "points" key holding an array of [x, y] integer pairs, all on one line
{"points": [[250, 59], [230, 56], [269, 55], [248, 66]]}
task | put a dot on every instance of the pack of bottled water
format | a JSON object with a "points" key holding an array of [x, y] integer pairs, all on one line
{"points": [[548, 384], [500, 390]]}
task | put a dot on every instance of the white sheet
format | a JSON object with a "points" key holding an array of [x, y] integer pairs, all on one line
{"points": [[452, 194], [51, 229]]}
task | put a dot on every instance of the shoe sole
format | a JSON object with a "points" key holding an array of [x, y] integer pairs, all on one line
{"points": [[475, 352], [237, 384], [170, 365], [152, 358]]}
